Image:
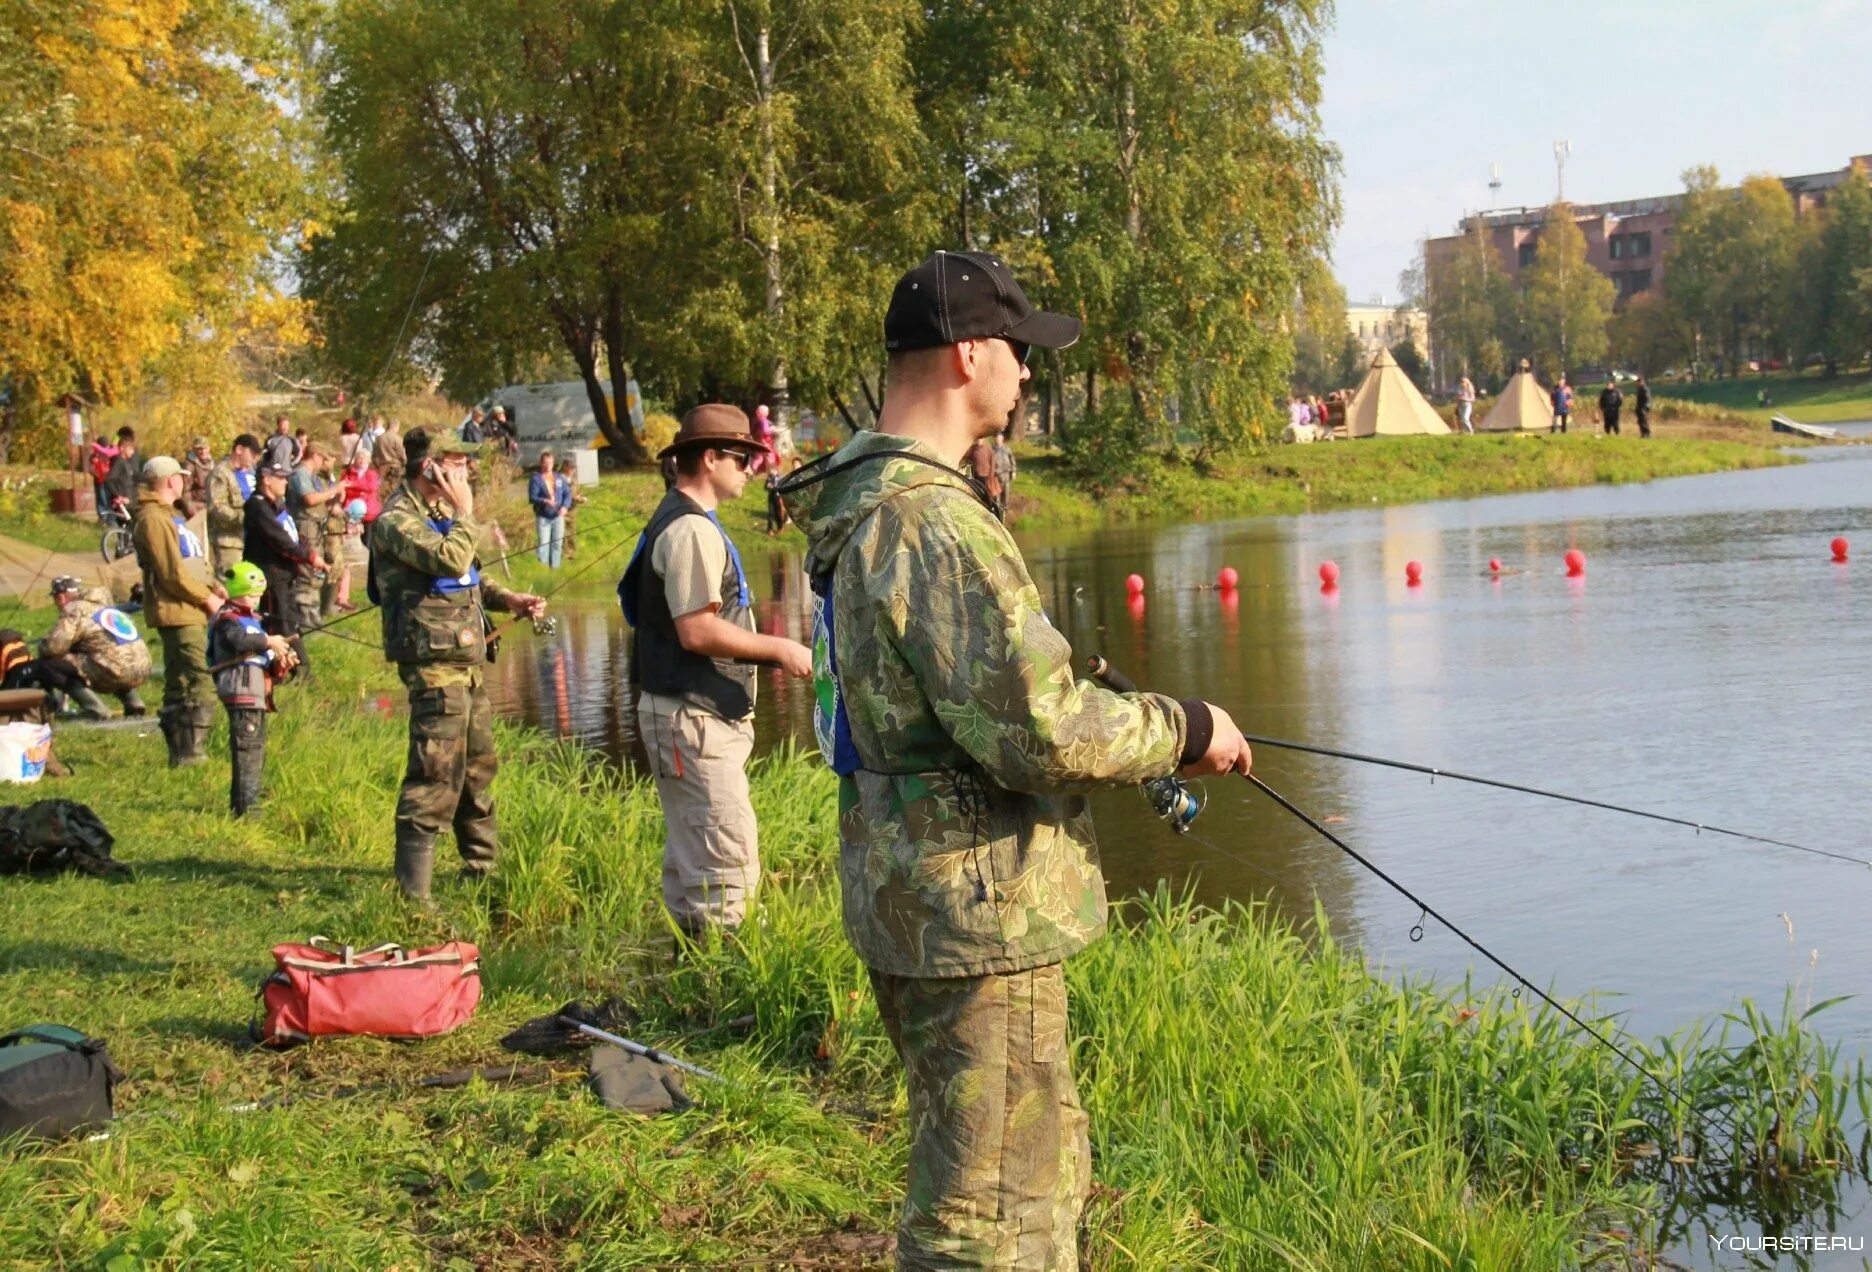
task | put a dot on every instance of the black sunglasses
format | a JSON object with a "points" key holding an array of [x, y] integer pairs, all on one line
{"points": [[1021, 350], [740, 457]]}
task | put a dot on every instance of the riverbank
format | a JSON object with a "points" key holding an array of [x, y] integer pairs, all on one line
{"points": [[1279, 481], [1807, 396], [1258, 1097]]}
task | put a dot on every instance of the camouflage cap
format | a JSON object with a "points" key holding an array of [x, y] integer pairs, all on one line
{"points": [[450, 444]]}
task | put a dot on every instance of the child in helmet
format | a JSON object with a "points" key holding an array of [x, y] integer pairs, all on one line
{"points": [[247, 662]]}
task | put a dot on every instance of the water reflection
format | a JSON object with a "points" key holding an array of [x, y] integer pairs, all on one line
{"points": [[1710, 664]]}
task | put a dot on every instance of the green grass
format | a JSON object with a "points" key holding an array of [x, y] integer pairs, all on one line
{"points": [[1807, 396], [1259, 1098], [1388, 470]]}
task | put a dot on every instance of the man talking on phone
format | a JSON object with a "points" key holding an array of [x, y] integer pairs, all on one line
{"points": [[425, 575]]}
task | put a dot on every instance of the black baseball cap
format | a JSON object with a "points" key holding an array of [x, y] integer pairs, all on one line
{"points": [[957, 296]]}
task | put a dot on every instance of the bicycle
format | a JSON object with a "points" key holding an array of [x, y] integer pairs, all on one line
{"points": [[115, 543]]}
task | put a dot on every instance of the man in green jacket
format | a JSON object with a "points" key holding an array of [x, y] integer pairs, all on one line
{"points": [[178, 598], [425, 575], [965, 746]]}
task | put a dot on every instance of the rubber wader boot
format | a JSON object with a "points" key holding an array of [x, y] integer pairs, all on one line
{"points": [[415, 862], [169, 719], [192, 725], [89, 703], [133, 704]]}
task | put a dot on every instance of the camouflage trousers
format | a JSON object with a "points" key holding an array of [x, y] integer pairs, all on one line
{"points": [[451, 766], [999, 1160]]}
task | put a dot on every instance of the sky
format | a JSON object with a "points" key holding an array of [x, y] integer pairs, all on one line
{"points": [[1421, 96]]}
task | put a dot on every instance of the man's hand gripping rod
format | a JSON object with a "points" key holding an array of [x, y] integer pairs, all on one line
{"points": [[1170, 796]]}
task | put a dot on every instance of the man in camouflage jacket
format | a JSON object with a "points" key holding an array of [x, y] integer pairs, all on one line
{"points": [[98, 641], [425, 575], [230, 486], [966, 745]]}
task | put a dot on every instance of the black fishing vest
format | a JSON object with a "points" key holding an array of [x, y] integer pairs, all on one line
{"points": [[659, 664]]}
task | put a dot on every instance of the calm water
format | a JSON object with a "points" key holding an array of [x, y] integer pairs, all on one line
{"points": [[1713, 664]]}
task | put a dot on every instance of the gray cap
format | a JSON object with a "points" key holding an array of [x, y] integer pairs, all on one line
{"points": [[160, 467]]}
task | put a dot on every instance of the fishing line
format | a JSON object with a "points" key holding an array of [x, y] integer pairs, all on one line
{"points": [[1116, 680], [326, 627], [1434, 773]]}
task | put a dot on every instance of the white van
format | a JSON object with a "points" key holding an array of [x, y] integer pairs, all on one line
{"points": [[554, 417]]}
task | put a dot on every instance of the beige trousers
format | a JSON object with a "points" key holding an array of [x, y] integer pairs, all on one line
{"points": [[711, 855]]}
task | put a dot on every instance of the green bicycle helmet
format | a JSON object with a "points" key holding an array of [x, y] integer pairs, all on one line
{"points": [[243, 578]]}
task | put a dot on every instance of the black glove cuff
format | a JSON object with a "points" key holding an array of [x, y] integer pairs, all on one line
{"points": [[1198, 732]]}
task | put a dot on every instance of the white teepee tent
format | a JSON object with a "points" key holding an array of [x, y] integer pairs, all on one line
{"points": [[1524, 406], [1387, 404]]}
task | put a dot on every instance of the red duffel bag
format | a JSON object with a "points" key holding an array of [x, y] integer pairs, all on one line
{"points": [[324, 990]]}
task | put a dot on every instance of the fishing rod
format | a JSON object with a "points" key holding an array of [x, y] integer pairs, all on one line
{"points": [[326, 627], [1113, 679], [1434, 773]]}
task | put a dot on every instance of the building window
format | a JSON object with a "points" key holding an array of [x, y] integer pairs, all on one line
{"points": [[1527, 253], [1627, 247], [1639, 280]]}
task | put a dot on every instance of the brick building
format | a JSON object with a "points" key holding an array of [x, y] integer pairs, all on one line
{"points": [[1628, 242]]}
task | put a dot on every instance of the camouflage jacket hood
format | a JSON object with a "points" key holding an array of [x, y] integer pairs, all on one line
{"points": [[966, 843]]}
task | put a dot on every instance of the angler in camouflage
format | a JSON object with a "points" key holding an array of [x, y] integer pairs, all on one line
{"points": [[965, 746], [93, 648], [425, 575]]}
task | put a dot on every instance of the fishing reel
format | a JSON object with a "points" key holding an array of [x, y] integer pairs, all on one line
{"points": [[546, 625], [1172, 799]]}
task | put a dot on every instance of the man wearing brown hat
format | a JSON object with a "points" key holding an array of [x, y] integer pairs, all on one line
{"points": [[693, 662]]}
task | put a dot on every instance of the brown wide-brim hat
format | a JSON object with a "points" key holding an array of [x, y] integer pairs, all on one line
{"points": [[714, 424]]}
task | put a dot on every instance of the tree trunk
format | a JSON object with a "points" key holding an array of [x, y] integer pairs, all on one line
{"points": [[874, 402], [1091, 402], [626, 443], [581, 344], [850, 423], [778, 397]]}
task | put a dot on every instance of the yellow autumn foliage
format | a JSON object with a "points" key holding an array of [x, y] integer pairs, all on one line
{"points": [[134, 226]]}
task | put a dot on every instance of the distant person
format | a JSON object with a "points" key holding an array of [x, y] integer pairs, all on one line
{"points": [[230, 486], [198, 465], [473, 431], [362, 502], [349, 439], [981, 465], [280, 448], [388, 456], [1562, 405], [551, 496], [273, 543], [1611, 401], [1005, 467], [310, 497], [120, 485], [1641, 398], [1761, 396], [102, 455], [1465, 404]]}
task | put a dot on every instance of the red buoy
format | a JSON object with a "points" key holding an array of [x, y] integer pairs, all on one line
{"points": [[1227, 578], [1413, 573], [1329, 573], [1839, 548], [1575, 563], [1494, 565], [1134, 584], [1135, 603]]}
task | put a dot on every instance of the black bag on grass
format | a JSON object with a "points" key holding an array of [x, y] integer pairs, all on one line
{"points": [[53, 1081], [56, 834]]}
